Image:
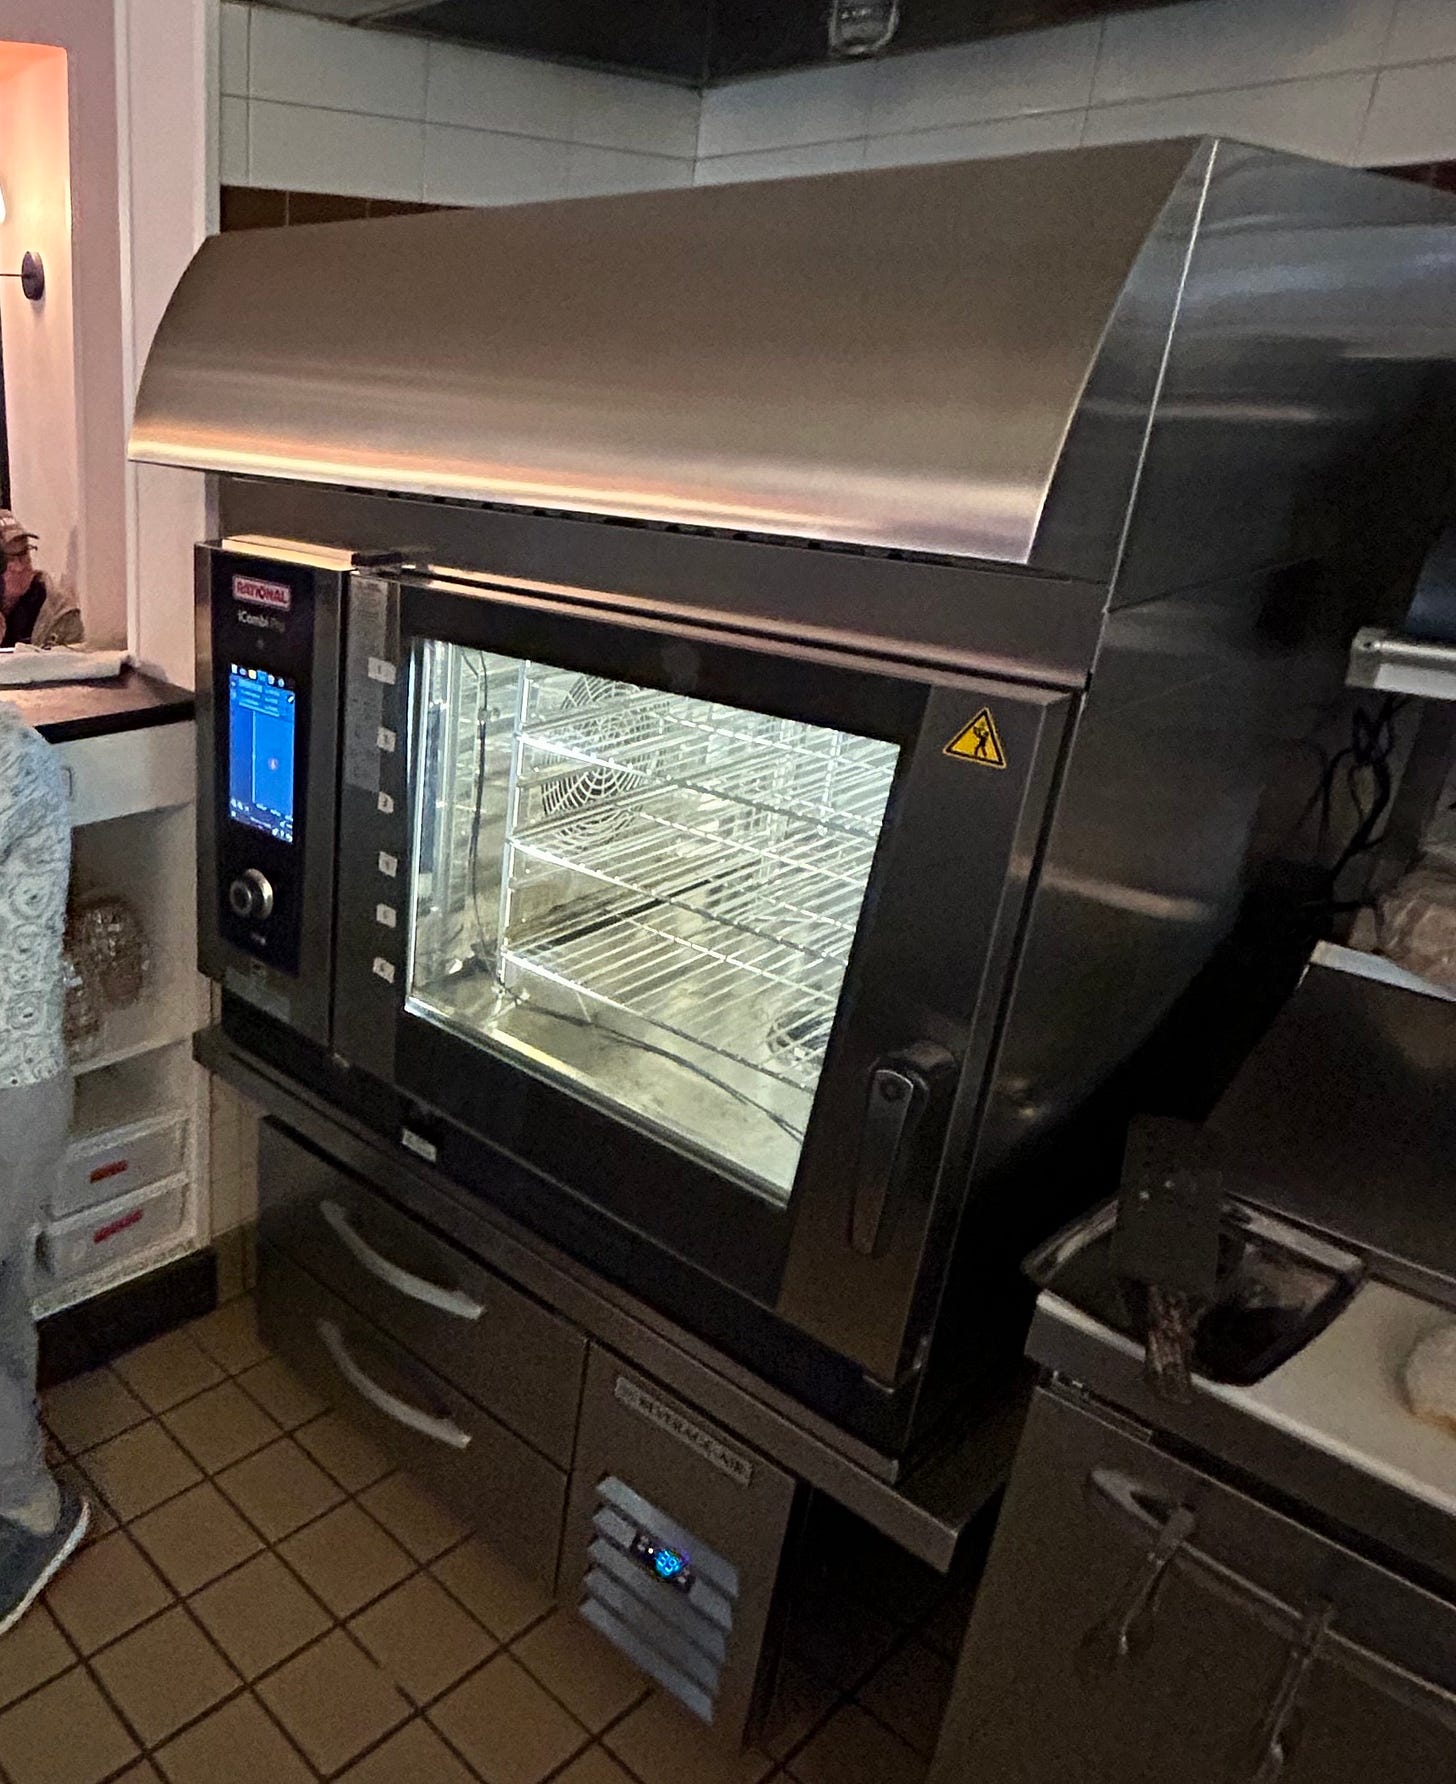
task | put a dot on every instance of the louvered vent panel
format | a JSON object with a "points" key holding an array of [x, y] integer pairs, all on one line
{"points": [[661, 1596]]}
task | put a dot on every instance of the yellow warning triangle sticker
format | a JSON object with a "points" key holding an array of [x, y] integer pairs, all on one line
{"points": [[979, 742]]}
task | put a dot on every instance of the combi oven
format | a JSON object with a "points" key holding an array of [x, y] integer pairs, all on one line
{"points": [[730, 713], [688, 950]]}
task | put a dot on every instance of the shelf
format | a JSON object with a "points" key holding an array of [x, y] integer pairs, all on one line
{"points": [[1392, 664], [132, 1042]]}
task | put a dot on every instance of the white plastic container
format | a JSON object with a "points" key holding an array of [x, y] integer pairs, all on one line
{"points": [[96, 1238], [99, 1167]]}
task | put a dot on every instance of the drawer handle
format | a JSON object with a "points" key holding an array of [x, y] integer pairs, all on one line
{"points": [[430, 1294], [444, 1431]]}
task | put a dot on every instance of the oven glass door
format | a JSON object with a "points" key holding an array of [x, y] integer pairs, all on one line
{"points": [[647, 897]]}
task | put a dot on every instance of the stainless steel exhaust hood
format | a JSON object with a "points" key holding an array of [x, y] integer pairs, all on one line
{"points": [[963, 359]]}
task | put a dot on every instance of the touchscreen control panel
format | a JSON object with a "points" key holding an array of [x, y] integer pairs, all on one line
{"points": [[265, 672]]}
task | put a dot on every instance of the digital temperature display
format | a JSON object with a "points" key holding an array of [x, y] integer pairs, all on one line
{"points": [[262, 735]]}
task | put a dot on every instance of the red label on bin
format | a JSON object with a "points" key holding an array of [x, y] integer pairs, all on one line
{"points": [[112, 1228], [114, 1169]]}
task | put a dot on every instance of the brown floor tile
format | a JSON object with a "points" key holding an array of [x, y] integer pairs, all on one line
{"points": [[596, 1766], [167, 1371], [164, 1675], [230, 1336], [95, 1744], [852, 1748], [505, 1600], [238, 1744], [143, 1772], [195, 1537], [842, 1641], [422, 1637], [346, 1559], [801, 1703], [279, 1488], [573, 1662], [945, 1628], [259, 1615], [108, 1589], [221, 1426], [333, 1700], [414, 1517], [662, 1744], [139, 1469], [510, 1730], [909, 1695], [88, 1410], [101, 1521], [32, 1652], [416, 1755], [281, 1393], [341, 1448]]}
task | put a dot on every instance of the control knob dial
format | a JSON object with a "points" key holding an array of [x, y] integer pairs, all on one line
{"points": [[251, 896]]}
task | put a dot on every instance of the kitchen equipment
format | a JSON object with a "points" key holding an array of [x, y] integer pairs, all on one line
{"points": [[726, 759]]}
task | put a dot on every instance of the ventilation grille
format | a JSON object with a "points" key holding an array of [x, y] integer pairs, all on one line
{"points": [[660, 1596]]}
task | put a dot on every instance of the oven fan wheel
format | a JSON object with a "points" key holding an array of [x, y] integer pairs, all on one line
{"points": [[591, 798]]}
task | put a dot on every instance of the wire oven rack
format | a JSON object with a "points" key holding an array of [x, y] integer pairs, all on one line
{"points": [[717, 861]]}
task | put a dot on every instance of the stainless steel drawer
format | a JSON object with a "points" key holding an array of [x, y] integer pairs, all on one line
{"points": [[513, 1496], [503, 1349]]}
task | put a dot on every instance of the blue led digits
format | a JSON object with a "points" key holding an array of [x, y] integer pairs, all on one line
{"points": [[668, 1565]]}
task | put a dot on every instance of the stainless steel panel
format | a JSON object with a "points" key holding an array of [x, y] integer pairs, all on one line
{"points": [[509, 1354], [886, 358], [658, 1463], [1095, 1652], [494, 1482]]}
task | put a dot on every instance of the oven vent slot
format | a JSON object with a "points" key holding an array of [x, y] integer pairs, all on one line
{"points": [[660, 1596]]}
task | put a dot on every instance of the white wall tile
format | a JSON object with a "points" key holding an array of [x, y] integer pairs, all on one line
{"points": [[785, 110], [1023, 72], [233, 141], [1312, 117], [233, 48], [591, 171], [971, 142], [781, 164], [1235, 43], [307, 149], [1413, 117], [614, 111], [1423, 30], [481, 167], [488, 92], [312, 62]]}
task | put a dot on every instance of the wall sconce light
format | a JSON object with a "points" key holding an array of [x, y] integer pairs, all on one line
{"points": [[32, 268]]}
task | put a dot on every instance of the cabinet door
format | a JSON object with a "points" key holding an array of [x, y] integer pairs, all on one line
{"points": [[1141, 1622], [1040, 1699]]}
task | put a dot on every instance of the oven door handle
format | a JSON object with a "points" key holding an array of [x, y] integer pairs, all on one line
{"points": [[440, 1430], [906, 1089], [405, 1282]]}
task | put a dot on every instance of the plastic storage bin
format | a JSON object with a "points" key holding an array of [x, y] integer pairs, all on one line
{"points": [[98, 1237], [99, 1167]]}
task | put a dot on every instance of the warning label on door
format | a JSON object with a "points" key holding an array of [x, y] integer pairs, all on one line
{"points": [[979, 742]]}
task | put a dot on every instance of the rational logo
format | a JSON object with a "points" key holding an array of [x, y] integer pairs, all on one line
{"points": [[666, 1418], [277, 595]]}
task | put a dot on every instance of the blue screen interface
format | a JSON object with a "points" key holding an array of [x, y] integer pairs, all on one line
{"points": [[262, 727]]}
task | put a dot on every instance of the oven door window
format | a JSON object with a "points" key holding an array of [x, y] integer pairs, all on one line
{"points": [[646, 897]]}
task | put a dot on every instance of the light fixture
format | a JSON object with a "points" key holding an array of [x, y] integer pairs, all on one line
{"points": [[32, 268]]}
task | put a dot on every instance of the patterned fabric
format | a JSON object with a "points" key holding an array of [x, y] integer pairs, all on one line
{"points": [[35, 873]]}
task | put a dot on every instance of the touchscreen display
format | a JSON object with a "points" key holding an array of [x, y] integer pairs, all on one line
{"points": [[262, 728]]}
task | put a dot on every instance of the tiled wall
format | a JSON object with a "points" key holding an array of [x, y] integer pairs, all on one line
{"points": [[1370, 82], [311, 106]]}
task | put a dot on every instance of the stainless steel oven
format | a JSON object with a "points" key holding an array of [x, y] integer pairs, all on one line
{"points": [[730, 714]]}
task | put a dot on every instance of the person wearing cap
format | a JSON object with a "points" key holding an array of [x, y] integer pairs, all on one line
{"points": [[34, 608]]}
